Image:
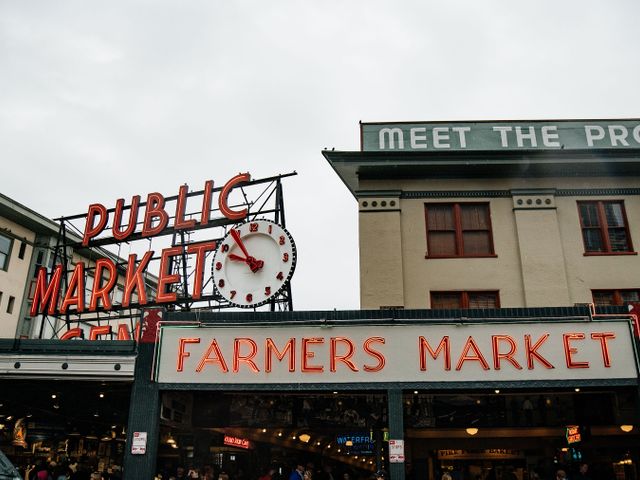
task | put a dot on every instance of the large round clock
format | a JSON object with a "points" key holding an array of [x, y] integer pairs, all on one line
{"points": [[253, 263]]}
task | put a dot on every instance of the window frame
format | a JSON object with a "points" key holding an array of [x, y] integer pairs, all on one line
{"points": [[616, 293], [464, 298], [603, 227], [457, 220], [4, 266]]}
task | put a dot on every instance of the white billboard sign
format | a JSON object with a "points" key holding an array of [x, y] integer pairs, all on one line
{"points": [[396, 353]]}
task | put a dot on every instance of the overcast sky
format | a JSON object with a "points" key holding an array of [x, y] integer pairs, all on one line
{"points": [[101, 100]]}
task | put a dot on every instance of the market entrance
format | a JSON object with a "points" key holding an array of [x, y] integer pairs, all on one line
{"points": [[334, 435]]}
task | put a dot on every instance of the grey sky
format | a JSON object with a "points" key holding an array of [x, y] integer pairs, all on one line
{"points": [[101, 100]]}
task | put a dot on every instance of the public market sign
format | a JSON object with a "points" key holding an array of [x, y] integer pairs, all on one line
{"points": [[395, 353], [511, 135], [50, 295]]}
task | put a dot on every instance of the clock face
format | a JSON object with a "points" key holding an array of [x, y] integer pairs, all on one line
{"points": [[253, 263]]}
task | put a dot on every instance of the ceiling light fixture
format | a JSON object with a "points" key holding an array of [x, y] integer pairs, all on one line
{"points": [[304, 437], [472, 430], [626, 428]]}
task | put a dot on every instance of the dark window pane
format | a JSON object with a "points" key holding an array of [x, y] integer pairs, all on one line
{"points": [[442, 243], [589, 214], [440, 217], [474, 217], [482, 300], [445, 300], [630, 296], [618, 240], [613, 212], [593, 240], [476, 243], [603, 298]]}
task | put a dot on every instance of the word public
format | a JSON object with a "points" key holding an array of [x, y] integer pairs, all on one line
{"points": [[155, 221]]}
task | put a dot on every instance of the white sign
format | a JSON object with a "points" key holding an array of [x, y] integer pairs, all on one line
{"points": [[543, 351], [396, 451], [139, 443]]}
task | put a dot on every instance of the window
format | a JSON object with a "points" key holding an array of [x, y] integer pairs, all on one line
{"points": [[458, 230], [5, 252], [604, 227], [10, 304], [615, 297], [21, 252], [440, 300]]}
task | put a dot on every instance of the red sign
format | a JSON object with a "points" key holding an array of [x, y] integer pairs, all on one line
{"points": [[237, 442], [573, 434], [155, 220]]}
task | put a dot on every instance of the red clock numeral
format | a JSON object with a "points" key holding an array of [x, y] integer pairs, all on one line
{"points": [[218, 265], [281, 241], [280, 276], [225, 247], [285, 257], [249, 297], [267, 291], [221, 283], [232, 294], [253, 227], [270, 229]]}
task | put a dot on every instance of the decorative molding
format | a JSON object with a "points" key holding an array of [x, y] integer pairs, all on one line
{"points": [[577, 192]]}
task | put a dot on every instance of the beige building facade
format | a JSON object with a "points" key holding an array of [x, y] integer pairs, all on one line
{"points": [[558, 227]]}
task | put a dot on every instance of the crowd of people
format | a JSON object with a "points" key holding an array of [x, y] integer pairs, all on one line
{"points": [[69, 469]]}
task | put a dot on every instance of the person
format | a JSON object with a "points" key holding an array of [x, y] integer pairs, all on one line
{"points": [[561, 475], [267, 473], [298, 472], [446, 476], [381, 475], [583, 472]]}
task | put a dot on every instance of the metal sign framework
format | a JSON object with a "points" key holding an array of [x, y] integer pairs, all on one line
{"points": [[263, 198]]}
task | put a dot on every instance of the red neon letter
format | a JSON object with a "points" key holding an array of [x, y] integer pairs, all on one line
{"points": [[182, 354], [346, 358], [308, 355], [206, 202], [119, 234], [443, 346], [179, 222], [224, 194], [46, 293], [154, 210], [91, 230], [219, 359], [102, 293], [200, 249], [477, 355], [603, 337], [72, 333], [166, 278], [374, 353], [569, 350], [76, 285], [98, 330], [248, 359], [290, 348], [495, 340], [123, 332], [134, 279], [532, 353]]}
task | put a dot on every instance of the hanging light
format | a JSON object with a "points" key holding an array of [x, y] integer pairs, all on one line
{"points": [[472, 430], [626, 428], [171, 440], [304, 437]]}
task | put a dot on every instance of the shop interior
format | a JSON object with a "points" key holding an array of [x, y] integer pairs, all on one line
{"points": [[490, 435], [80, 423]]}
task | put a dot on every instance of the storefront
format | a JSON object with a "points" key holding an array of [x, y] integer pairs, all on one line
{"points": [[66, 403], [412, 392]]}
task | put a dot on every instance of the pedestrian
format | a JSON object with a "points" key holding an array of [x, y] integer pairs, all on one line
{"points": [[298, 472], [561, 475], [583, 472]]}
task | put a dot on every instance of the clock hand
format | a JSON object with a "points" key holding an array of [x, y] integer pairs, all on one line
{"points": [[236, 237], [254, 264]]}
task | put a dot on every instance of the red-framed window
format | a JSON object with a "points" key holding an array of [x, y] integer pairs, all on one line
{"points": [[604, 227], [465, 299], [458, 230], [616, 297]]}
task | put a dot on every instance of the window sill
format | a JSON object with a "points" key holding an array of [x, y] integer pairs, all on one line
{"points": [[607, 254], [432, 257]]}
